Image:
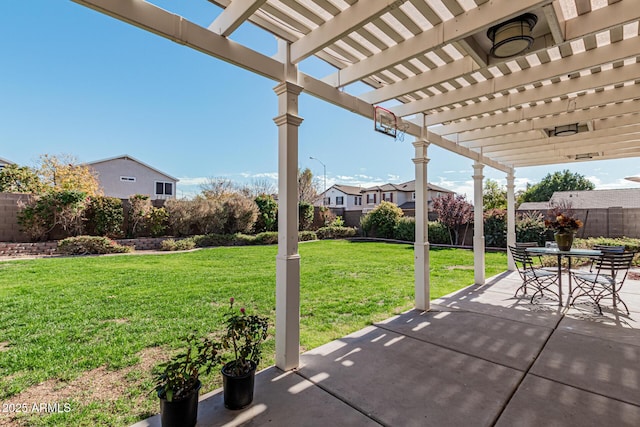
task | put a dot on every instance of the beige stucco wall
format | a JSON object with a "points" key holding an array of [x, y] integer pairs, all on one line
{"points": [[109, 173]]}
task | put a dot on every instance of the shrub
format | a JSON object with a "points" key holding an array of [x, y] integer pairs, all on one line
{"points": [[139, 208], [225, 215], [181, 216], [382, 220], [337, 222], [266, 238], [267, 219], [495, 228], [530, 228], [84, 245], [240, 239], [332, 232], [157, 221], [63, 209], [305, 215], [105, 216], [206, 240], [305, 236], [405, 229], [438, 233], [178, 245], [240, 213]]}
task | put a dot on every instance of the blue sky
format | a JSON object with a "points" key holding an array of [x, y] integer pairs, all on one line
{"points": [[78, 82]]}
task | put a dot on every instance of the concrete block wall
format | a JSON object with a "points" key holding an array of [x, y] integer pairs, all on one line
{"points": [[9, 207]]}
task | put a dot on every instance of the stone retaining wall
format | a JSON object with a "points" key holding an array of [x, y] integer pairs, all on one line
{"points": [[8, 249]]}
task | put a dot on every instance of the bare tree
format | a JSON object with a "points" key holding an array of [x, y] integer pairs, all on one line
{"points": [[216, 188]]}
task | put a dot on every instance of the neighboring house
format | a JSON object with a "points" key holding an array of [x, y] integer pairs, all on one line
{"points": [[403, 195], [5, 162], [608, 213], [345, 197], [124, 176]]}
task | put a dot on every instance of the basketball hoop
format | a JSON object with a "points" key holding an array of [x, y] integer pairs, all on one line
{"points": [[385, 122]]}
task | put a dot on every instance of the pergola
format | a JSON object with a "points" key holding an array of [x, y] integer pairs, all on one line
{"points": [[430, 62]]}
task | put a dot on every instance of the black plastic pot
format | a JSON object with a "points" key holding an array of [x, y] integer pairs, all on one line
{"points": [[238, 390], [180, 413]]}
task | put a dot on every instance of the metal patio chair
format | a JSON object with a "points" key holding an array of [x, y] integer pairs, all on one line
{"points": [[541, 279], [611, 270]]}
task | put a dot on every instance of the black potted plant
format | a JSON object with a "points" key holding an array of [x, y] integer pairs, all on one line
{"points": [[244, 338], [178, 384]]}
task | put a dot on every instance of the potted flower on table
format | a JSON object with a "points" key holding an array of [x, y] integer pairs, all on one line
{"points": [[565, 225]]}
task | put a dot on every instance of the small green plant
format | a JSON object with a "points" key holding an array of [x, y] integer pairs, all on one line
{"points": [[178, 245], [405, 229], [180, 375], [334, 232], [337, 222], [85, 245], [267, 238], [305, 236], [244, 337]]}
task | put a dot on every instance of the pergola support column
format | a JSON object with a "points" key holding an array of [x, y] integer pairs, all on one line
{"points": [[478, 224], [421, 245], [288, 259], [511, 218]]}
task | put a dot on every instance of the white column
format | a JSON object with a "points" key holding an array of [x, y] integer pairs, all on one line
{"points": [[421, 245], [288, 259], [478, 224], [511, 218]]}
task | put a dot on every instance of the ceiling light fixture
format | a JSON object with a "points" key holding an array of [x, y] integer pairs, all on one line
{"points": [[512, 37], [566, 130], [585, 156]]}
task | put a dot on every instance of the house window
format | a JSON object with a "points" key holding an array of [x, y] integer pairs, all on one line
{"points": [[357, 200], [164, 188], [128, 178], [327, 200], [387, 197], [339, 200], [371, 198], [413, 196]]}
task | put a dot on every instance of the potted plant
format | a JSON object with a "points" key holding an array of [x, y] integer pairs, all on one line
{"points": [[178, 384], [564, 225], [244, 338]]}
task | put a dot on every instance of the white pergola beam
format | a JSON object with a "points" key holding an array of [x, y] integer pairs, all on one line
{"points": [[174, 27], [613, 76], [342, 24], [629, 48], [462, 26], [234, 15]]}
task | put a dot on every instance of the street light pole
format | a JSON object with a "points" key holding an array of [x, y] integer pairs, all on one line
{"points": [[324, 167]]}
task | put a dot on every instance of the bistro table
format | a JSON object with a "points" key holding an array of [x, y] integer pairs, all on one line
{"points": [[572, 253]]}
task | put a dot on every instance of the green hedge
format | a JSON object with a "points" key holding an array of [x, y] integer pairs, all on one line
{"points": [[85, 245], [335, 232]]}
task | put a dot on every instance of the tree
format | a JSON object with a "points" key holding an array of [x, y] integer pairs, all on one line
{"points": [[307, 191], [493, 196], [218, 188], [382, 220], [453, 211], [20, 179], [267, 213], [64, 173], [558, 181]]}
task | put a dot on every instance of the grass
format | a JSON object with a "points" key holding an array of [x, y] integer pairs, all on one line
{"points": [[65, 317]]}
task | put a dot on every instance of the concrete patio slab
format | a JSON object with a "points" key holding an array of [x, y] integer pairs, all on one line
{"points": [[402, 381], [540, 402], [602, 366], [507, 342], [313, 406]]}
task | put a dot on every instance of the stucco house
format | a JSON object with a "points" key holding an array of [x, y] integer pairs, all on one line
{"points": [[123, 176], [403, 195], [347, 197], [5, 162]]}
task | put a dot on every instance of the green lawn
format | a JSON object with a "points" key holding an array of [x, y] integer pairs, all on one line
{"points": [[64, 317]]}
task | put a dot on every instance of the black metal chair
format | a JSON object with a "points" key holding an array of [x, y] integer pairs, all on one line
{"points": [[541, 279], [611, 270]]}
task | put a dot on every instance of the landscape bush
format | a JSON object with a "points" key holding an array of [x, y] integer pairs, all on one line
{"points": [[267, 219], [530, 228], [495, 228], [381, 221], [63, 210], [405, 229], [85, 245], [305, 215], [178, 245], [104, 217], [266, 238], [335, 232], [438, 233], [305, 236]]}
